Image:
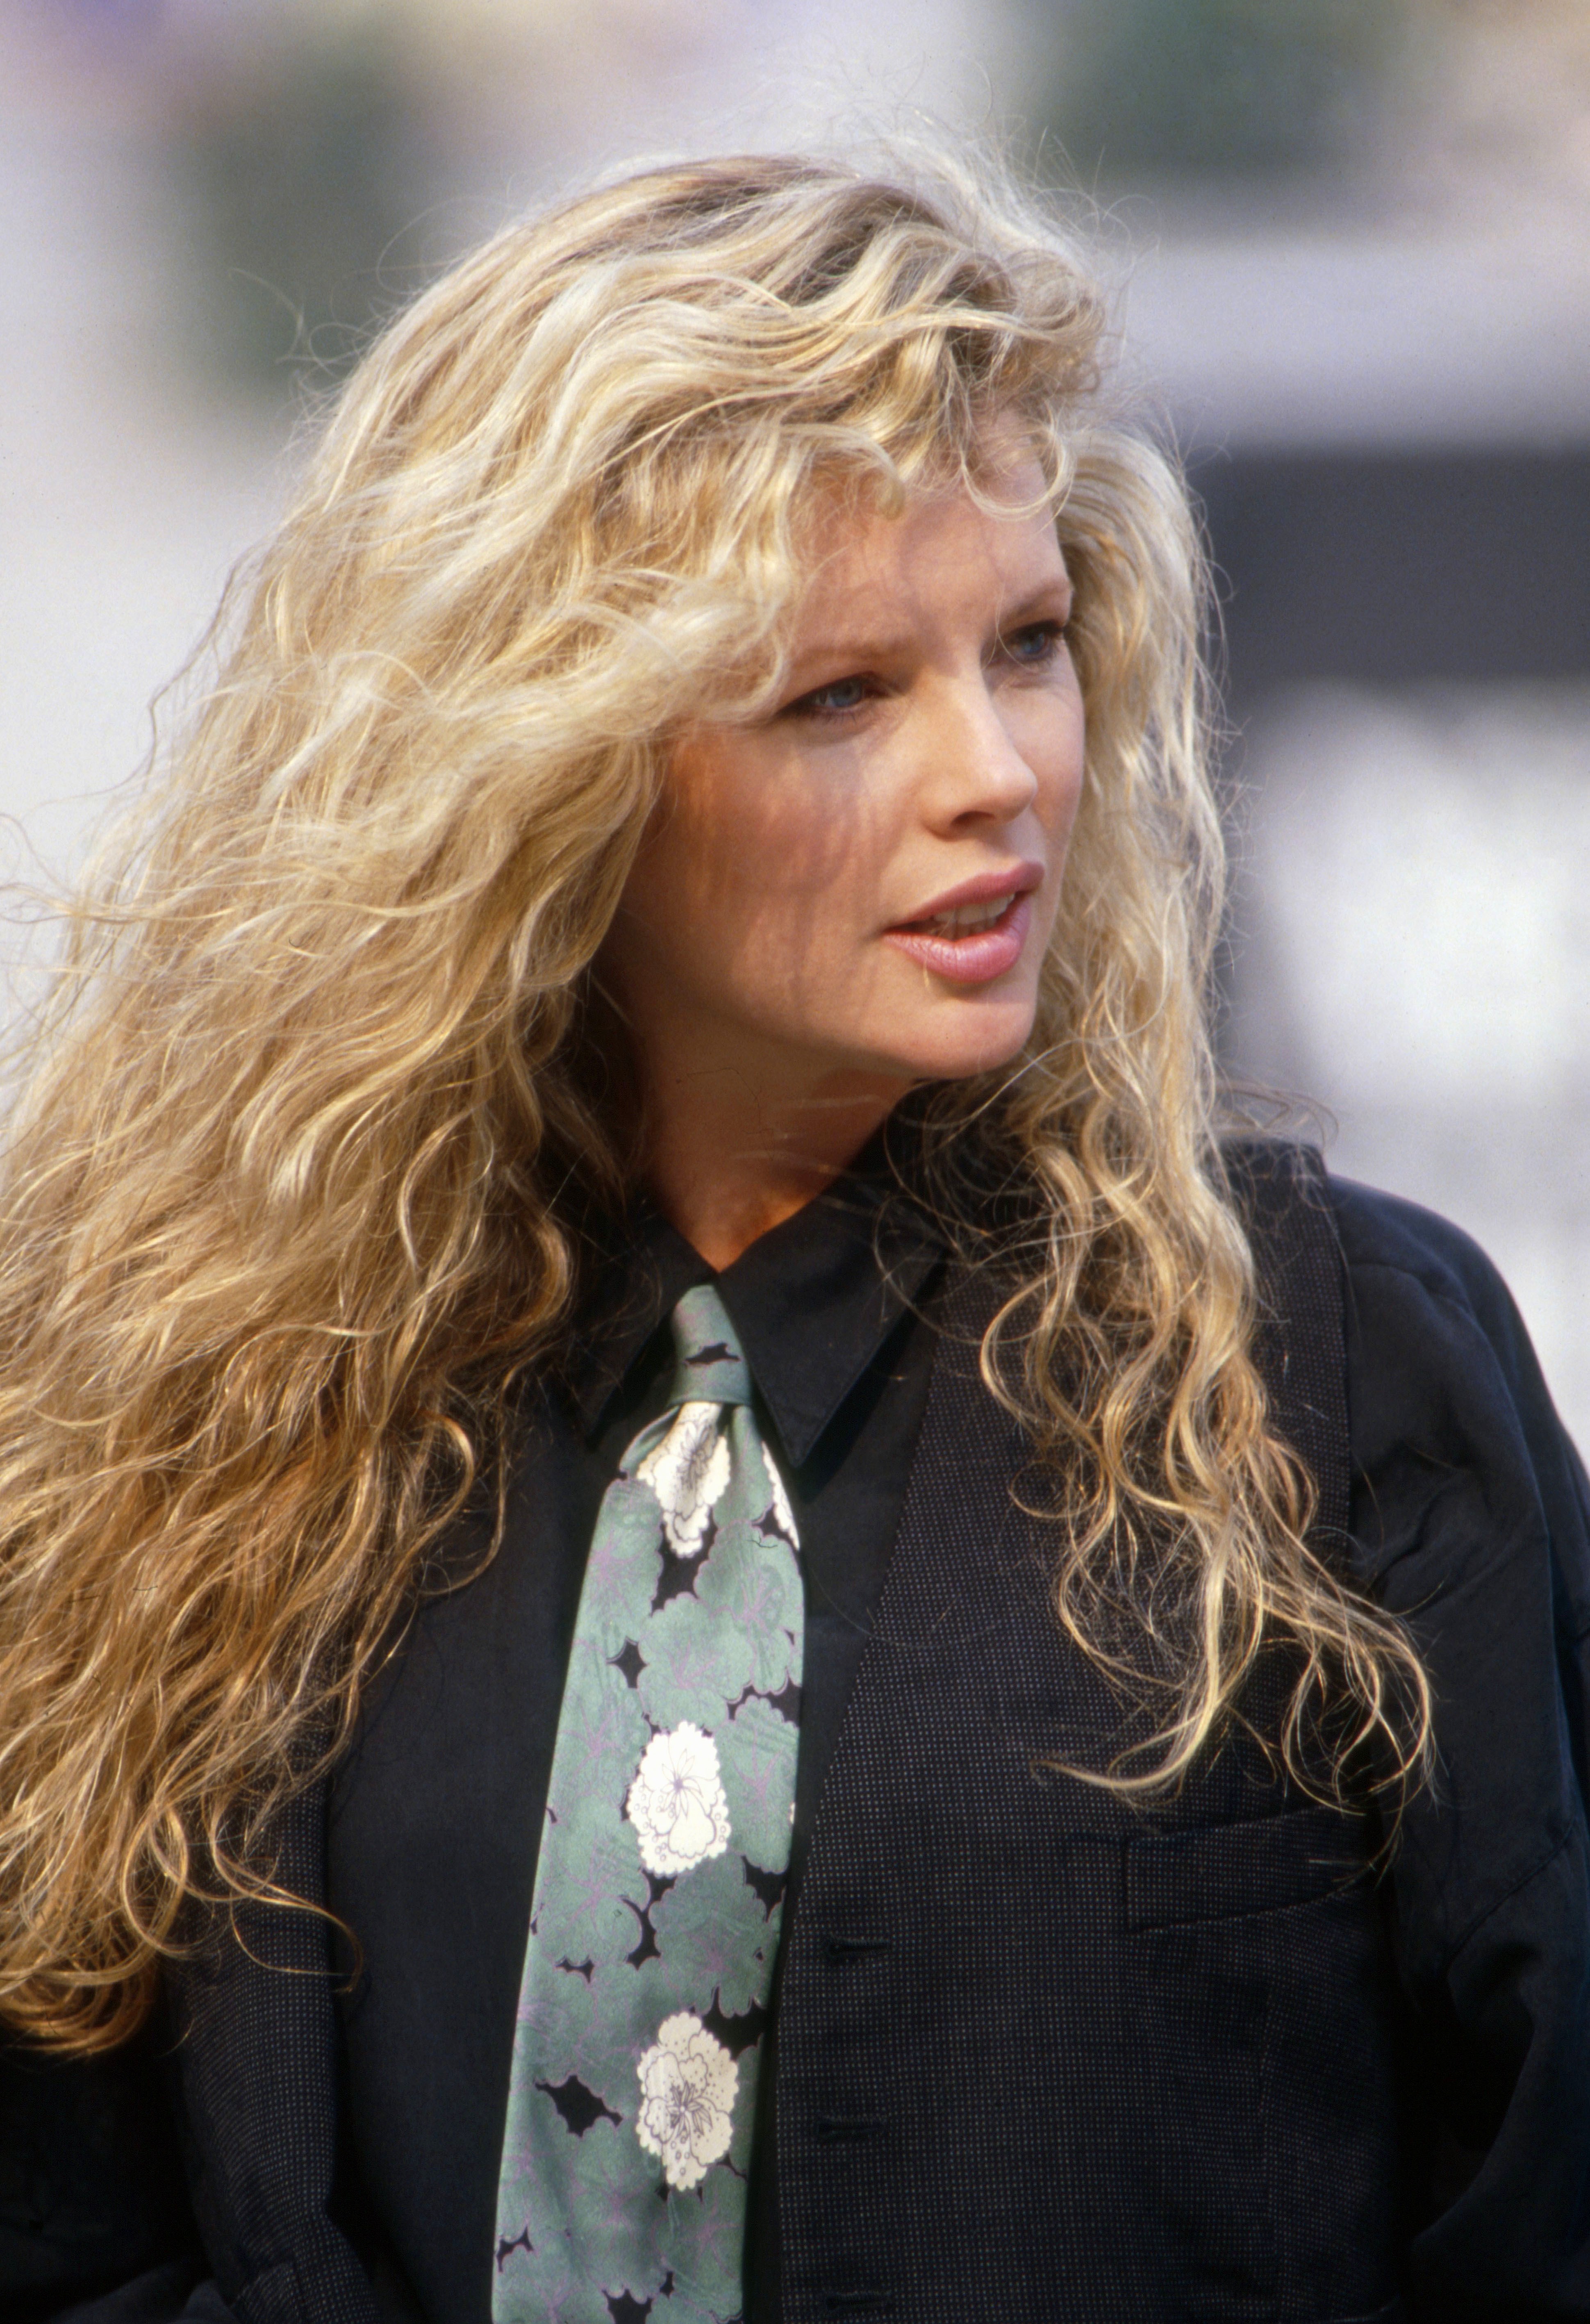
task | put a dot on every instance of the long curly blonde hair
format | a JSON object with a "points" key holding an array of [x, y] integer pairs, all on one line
{"points": [[295, 1172]]}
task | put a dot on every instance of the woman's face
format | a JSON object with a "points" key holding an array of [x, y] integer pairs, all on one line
{"points": [[855, 894]]}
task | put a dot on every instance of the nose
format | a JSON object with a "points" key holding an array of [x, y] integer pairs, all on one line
{"points": [[971, 770]]}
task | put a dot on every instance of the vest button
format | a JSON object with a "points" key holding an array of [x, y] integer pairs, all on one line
{"points": [[840, 1949], [848, 2130]]}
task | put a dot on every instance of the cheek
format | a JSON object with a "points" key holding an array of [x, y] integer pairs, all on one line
{"points": [[743, 868], [1055, 748], [1069, 786], [764, 844]]}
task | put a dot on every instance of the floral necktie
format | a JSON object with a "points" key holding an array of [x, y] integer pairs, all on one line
{"points": [[659, 1886]]}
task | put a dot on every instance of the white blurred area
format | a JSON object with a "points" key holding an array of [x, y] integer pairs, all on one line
{"points": [[1413, 935], [1415, 892]]}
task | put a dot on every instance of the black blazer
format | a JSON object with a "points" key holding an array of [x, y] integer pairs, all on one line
{"points": [[1041, 2056]]}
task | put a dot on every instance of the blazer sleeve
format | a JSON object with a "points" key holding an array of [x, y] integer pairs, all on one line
{"points": [[94, 2218], [172, 2295], [1471, 1520], [193, 2177]]}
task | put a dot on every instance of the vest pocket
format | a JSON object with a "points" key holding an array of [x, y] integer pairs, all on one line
{"points": [[1217, 1872]]}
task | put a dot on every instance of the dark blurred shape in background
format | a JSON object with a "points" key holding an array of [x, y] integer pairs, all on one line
{"points": [[1157, 90], [304, 170], [310, 159]]}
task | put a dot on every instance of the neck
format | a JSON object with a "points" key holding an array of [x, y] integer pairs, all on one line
{"points": [[726, 1163]]}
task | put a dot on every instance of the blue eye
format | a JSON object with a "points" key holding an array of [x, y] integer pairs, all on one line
{"points": [[834, 699], [1034, 646]]}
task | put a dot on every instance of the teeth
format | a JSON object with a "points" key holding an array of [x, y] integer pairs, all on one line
{"points": [[967, 918]]}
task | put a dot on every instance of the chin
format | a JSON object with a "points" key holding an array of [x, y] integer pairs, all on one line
{"points": [[963, 1060]]}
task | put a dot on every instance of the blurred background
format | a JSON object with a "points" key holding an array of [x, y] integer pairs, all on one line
{"points": [[1352, 241]]}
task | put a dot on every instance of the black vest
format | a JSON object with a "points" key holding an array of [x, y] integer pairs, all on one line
{"points": [[1043, 2057]]}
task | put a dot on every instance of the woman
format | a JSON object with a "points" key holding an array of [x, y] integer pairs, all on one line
{"points": [[703, 1614]]}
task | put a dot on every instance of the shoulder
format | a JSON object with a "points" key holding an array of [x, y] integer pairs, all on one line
{"points": [[1421, 1293], [1383, 1234], [1376, 1233], [1454, 1438]]}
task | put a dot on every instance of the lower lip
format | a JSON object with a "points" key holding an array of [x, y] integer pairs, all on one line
{"points": [[975, 959]]}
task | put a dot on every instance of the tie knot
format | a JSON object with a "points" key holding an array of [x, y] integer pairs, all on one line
{"points": [[708, 1366]]}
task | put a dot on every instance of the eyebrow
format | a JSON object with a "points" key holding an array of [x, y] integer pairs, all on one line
{"points": [[1038, 602], [857, 646]]}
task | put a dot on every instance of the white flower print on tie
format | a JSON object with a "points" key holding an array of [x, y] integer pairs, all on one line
{"points": [[687, 2085], [687, 1472], [677, 1802], [783, 1514]]}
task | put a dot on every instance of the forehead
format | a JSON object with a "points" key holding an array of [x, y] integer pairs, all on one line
{"points": [[946, 548]]}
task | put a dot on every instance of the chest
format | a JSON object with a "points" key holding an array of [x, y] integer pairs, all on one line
{"points": [[1037, 2054], [1042, 2055]]}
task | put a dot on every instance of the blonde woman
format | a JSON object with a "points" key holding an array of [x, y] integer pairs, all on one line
{"points": [[704, 1613]]}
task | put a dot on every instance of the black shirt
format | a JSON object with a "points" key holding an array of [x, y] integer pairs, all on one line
{"points": [[1470, 1513]]}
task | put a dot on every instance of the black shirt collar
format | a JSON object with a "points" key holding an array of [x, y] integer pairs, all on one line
{"points": [[812, 1300]]}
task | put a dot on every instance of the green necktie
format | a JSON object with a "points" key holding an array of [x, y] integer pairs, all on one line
{"points": [[659, 1886]]}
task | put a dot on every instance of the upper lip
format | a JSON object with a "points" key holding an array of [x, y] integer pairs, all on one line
{"points": [[1020, 879]]}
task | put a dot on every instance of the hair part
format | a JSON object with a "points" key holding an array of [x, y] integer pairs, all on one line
{"points": [[295, 1191]]}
